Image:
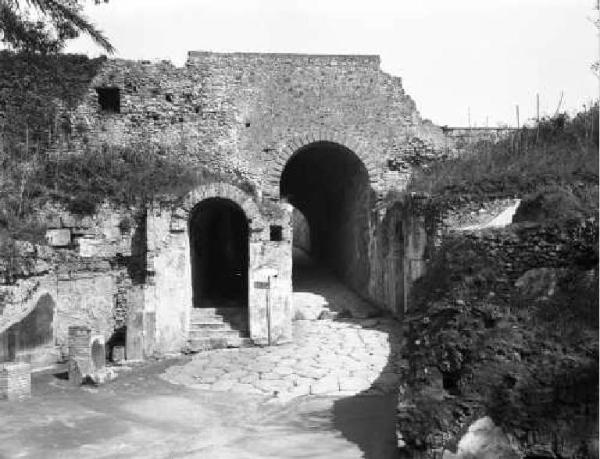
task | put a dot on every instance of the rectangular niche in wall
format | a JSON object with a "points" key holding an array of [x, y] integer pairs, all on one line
{"points": [[109, 99], [276, 232]]}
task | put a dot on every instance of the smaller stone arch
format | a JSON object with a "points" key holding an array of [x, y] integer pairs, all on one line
{"points": [[225, 191]]}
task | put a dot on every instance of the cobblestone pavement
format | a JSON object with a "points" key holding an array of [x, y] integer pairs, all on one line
{"points": [[334, 355]]}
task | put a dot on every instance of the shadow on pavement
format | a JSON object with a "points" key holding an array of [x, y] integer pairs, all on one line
{"points": [[367, 419]]}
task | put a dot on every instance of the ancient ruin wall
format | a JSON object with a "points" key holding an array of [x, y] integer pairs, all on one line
{"points": [[242, 112], [239, 114]]}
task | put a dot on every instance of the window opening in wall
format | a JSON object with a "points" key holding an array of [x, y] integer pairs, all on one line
{"points": [[109, 99], [276, 233]]}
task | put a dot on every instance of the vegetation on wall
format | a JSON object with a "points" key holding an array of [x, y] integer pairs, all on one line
{"points": [[560, 151], [40, 163], [130, 175]]}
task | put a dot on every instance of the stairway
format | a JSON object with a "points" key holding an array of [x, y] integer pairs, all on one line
{"points": [[217, 328]]}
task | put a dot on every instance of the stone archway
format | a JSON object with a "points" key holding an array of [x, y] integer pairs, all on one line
{"points": [[360, 149], [224, 191], [225, 232], [331, 186]]}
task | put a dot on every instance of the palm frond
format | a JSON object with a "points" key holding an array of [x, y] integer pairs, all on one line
{"points": [[62, 10], [11, 23]]}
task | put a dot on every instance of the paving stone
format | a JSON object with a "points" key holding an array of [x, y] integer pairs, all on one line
{"points": [[339, 373], [326, 385], [223, 385], [270, 376], [249, 378], [281, 370], [297, 391], [262, 366], [200, 386], [211, 372], [206, 379], [234, 375], [312, 372], [245, 389], [272, 386]]}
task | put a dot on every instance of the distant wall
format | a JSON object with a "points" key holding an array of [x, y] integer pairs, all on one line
{"points": [[458, 138]]}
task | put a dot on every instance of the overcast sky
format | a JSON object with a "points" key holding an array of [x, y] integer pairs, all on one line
{"points": [[486, 56]]}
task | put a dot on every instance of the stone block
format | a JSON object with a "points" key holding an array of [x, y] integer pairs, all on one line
{"points": [[58, 237], [325, 385], [87, 355], [15, 381], [90, 247]]}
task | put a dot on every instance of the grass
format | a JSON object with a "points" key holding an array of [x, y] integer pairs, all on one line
{"points": [[558, 152]]}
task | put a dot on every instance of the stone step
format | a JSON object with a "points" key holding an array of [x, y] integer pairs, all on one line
{"points": [[208, 333], [212, 328], [206, 344], [214, 325], [217, 319]]}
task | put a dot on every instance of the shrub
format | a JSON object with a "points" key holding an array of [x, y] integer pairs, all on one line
{"points": [[558, 152]]}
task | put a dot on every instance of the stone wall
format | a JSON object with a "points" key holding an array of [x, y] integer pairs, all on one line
{"points": [[241, 111], [243, 115], [83, 271], [524, 246], [404, 239], [459, 139]]}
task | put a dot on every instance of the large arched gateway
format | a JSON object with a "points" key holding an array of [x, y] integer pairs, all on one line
{"points": [[330, 186]]}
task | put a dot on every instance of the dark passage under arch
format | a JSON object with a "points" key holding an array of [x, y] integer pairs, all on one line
{"points": [[330, 185], [218, 231]]}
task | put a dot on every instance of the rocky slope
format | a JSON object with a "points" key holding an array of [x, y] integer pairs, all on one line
{"points": [[505, 326]]}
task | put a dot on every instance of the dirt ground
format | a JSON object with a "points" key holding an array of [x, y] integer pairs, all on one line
{"points": [[143, 416]]}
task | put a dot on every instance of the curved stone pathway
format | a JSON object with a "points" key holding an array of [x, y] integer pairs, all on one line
{"points": [[327, 357], [335, 355]]}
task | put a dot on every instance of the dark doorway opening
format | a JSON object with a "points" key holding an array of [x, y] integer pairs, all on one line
{"points": [[218, 231], [330, 187]]}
